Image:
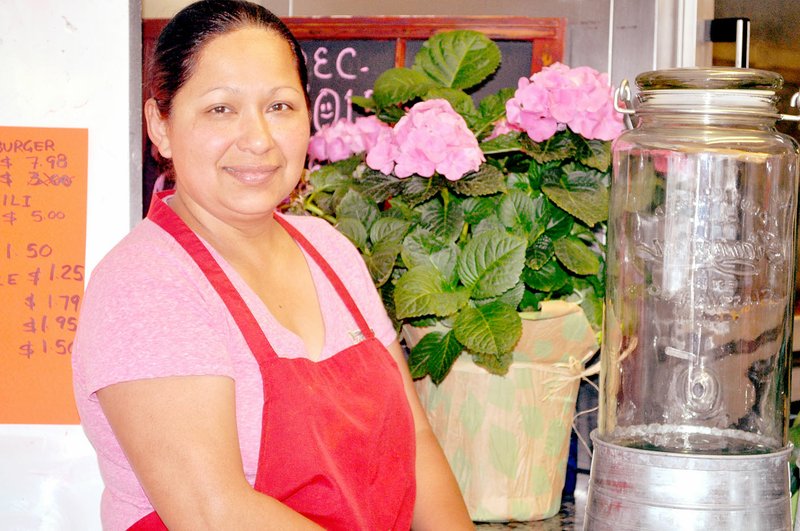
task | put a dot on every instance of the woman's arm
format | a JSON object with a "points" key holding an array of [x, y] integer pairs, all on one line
{"points": [[180, 436], [439, 502]]}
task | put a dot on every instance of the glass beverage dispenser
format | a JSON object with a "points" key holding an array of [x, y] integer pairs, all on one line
{"points": [[697, 344]]}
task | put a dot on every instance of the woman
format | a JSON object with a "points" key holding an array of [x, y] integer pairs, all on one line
{"points": [[234, 367]]}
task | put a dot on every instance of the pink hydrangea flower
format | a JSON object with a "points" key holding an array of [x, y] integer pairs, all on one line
{"points": [[579, 98], [502, 127], [370, 128], [381, 156], [529, 109], [343, 139], [430, 138]]}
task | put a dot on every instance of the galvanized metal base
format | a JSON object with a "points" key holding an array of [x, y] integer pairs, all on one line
{"points": [[649, 490]]}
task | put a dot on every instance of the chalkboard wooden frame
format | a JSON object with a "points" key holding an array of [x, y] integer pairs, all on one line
{"points": [[545, 36]]}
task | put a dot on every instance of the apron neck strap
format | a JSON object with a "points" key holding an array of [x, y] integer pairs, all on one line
{"points": [[162, 215], [331, 275]]}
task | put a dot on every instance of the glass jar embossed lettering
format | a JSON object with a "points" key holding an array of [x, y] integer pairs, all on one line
{"points": [[700, 267]]}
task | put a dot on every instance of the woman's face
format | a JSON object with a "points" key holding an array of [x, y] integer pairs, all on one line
{"points": [[239, 128]]}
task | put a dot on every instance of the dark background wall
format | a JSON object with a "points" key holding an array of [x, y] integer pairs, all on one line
{"points": [[774, 43]]}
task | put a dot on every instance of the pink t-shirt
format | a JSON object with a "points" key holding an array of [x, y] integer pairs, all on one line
{"points": [[149, 312]]}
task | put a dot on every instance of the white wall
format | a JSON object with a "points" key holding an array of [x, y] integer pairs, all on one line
{"points": [[68, 63]]}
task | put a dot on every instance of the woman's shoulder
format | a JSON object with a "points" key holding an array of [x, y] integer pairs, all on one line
{"points": [[147, 254]]}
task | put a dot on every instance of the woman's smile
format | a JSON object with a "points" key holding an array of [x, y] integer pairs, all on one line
{"points": [[252, 174]]}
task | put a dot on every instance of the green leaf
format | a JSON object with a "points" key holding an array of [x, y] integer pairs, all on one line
{"points": [[491, 263], [511, 297], [401, 210], [579, 191], [491, 329], [418, 245], [477, 208], [491, 109], [443, 220], [576, 256], [493, 106], [458, 59], [380, 260], [531, 300], [503, 144], [486, 181], [389, 229], [354, 230], [368, 104], [539, 252], [423, 290], [589, 300], [598, 281], [550, 277], [327, 186], [379, 187], [560, 223], [399, 85], [560, 146], [390, 115], [522, 214], [460, 101], [333, 174], [522, 181], [494, 364], [421, 247], [434, 355], [490, 223], [387, 297], [356, 206], [593, 153], [418, 189]]}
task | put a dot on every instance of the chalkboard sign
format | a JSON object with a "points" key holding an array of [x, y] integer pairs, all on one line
{"points": [[345, 55], [338, 70]]}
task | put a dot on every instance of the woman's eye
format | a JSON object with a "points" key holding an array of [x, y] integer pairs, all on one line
{"points": [[218, 109], [282, 106]]}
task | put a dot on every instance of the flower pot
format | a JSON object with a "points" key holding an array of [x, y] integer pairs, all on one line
{"points": [[507, 437]]}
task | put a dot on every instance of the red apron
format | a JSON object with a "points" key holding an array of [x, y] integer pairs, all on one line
{"points": [[337, 439]]}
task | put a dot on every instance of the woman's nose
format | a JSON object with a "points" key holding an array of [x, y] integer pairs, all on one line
{"points": [[256, 135]]}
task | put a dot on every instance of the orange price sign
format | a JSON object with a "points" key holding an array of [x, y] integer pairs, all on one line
{"points": [[43, 183]]}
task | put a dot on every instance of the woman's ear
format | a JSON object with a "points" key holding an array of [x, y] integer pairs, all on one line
{"points": [[157, 128]]}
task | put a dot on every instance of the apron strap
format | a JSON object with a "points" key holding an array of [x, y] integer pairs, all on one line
{"points": [[161, 214], [333, 278]]}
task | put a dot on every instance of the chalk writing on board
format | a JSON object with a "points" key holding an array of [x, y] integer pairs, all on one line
{"points": [[43, 175], [339, 70]]}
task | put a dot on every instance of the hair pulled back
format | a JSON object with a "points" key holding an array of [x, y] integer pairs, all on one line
{"points": [[183, 38]]}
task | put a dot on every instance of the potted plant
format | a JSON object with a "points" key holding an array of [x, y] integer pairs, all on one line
{"points": [[469, 217], [507, 221]]}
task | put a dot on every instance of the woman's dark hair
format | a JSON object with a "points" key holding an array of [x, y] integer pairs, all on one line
{"points": [[183, 38]]}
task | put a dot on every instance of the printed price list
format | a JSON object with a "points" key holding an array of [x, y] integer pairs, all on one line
{"points": [[43, 178]]}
